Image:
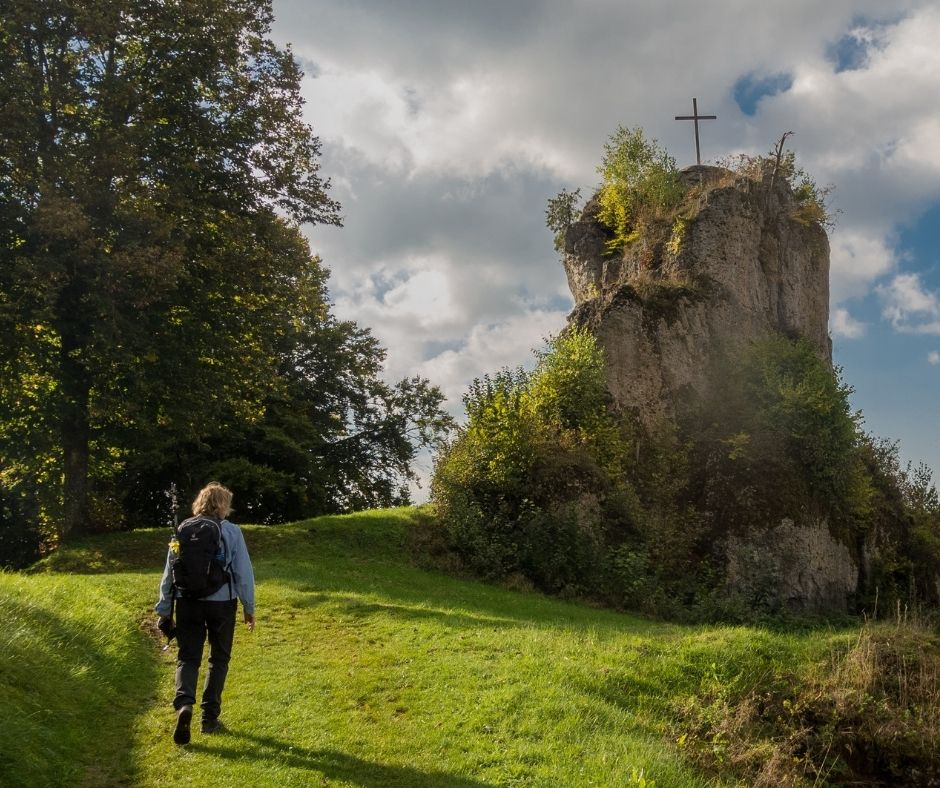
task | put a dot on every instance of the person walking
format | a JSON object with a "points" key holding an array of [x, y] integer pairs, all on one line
{"points": [[207, 572]]}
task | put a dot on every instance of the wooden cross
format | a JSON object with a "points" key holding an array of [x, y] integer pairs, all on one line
{"points": [[696, 117]]}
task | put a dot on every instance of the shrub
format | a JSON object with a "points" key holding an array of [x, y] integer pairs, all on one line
{"points": [[777, 437], [904, 538], [812, 200], [923, 504], [546, 484], [869, 714], [640, 184], [533, 483], [797, 396]]}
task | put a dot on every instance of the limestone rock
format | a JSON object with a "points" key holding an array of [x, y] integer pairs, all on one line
{"points": [[685, 296], [743, 266], [800, 566]]}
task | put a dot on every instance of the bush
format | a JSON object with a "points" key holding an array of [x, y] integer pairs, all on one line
{"points": [[778, 437], [869, 714], [779, 164], [546, 484], [797, 397], [640, 184], [923, 504], [904, 538], [532, 484]]}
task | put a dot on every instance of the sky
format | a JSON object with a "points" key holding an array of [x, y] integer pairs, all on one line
{"points": [[447, 124]]}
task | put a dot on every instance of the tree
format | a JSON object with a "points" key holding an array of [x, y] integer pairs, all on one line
{"points": [[158, 303], [329, 436], [143, 141], [561, 213]]}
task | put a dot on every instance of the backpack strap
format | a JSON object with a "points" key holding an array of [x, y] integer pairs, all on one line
{"points": [[228, 559], [228, 565]]}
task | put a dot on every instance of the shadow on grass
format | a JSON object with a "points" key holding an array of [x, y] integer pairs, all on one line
{"points": [[356, 608], [413, 594], [333, 764], [71, 704], [367, 554]]}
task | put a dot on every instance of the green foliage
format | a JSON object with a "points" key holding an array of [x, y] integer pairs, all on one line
{"points": [[561, 213], [799, 398], [679, 229], [640, 184], [904, 569], [545, 484], [159, 307], [812, 200], [780, 436], [331, 436], [867, 714], [532, 484], [922, 502], [20, 540]]}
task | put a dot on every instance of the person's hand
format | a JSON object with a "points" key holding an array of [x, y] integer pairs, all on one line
{"points": [[250, 622], [165, 625]]}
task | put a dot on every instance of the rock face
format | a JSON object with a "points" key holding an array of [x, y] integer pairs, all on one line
{"points": [[742, 267], [686, 295], [800, 567]]}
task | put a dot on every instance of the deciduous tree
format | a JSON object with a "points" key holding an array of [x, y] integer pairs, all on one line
{"points": [[155, 290]]}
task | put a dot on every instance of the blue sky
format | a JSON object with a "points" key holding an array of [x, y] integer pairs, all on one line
{"points": [[894, 373], [751, 88], [446, 125]]}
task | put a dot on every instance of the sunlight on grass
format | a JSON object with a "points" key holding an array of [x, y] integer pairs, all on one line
{"points": [[366, 671]]}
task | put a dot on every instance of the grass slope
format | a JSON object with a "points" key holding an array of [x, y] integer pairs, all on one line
{"points": [[363, 671]]}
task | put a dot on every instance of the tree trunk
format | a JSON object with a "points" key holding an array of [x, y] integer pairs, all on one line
{"points": [[74, 425]]}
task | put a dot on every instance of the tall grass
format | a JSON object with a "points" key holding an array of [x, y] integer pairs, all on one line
{"points": [[74, 669], [866, 714]]}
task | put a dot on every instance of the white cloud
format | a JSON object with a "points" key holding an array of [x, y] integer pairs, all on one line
{"points": [[933, 357], [845, 326], [909, 306], [426, 297], [857, 258], [489, 348], [446, 125]]}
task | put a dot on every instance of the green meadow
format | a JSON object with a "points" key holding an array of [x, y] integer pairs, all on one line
{"points": [[364, 670]]}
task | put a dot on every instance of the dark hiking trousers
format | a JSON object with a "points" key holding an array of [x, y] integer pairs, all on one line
{"points": [[196, 618]]}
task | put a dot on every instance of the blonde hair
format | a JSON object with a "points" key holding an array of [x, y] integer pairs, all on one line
{"points": [[213, 499]]}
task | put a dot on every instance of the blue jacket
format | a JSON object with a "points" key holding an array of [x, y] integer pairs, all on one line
{"points": [[239, 567]]}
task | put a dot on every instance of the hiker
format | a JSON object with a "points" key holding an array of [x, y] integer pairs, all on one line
{"points": [[207, 571]]}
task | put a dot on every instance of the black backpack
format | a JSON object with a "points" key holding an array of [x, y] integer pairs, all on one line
{"points": [[199, 568]]}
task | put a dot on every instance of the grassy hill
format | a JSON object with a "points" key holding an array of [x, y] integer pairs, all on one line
{"points": [[365, 670]]}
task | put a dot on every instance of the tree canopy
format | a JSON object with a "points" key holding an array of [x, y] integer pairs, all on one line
{"points": [[161, 313]]}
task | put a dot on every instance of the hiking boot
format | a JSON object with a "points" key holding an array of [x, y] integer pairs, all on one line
{"points": [[213, 725], [183, 719]]}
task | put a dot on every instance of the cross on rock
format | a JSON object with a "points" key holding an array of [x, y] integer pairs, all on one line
{"points": [[696, 117]]}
